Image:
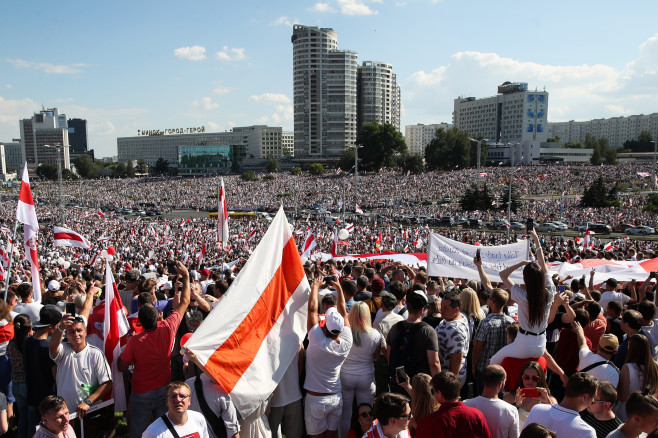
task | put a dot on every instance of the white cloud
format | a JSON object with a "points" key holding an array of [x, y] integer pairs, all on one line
{"points": [[270, 98], [282, 114], [104, 128], [205, 103], [323, 7], [400, 4], [191, 53], [282, 21], [231, 54], [221, 90], [214, 126], [9, 86], [355, 7], [48, 68]]}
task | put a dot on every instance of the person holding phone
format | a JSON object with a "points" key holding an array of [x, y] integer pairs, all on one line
{"points": [[531, 389]]}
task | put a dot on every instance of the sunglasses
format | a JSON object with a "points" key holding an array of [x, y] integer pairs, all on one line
{"points": [[366, 414], [408, 416], [533, 378], [598, 401]]}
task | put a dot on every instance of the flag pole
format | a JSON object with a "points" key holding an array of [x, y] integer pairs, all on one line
{"points": [[11, 259]]}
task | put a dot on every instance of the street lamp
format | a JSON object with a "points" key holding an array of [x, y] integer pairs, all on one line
{"points": [[356, 148], [479, 156], [59, 147]]}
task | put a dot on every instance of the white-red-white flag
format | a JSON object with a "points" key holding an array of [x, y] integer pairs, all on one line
{"points": [[115, 327], [222, 217], [249, 339], [334, 245], [357, 209], [349, 228], [27, 215], [66, 237], [100, 214], [608, 246], [201, 254], [309, 244], [251, 236]]}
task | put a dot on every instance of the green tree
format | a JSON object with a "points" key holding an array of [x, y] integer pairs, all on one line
{"points": [[130, 170], [47, 171], [381, 145], [449, 149], [347, 159], [573, 145], [555, 139], [412, 163], [161, 166], [68, 175], [598, 196], [652, 204], [85, 166], [476, 199], [272, 165], [516, 200], [316, 169], [141, 167], [609, 153], [248, 176], [592, 143], [296, 171], [268, 177], [119, 170]]}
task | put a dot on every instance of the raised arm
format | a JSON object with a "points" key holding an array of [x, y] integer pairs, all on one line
{"points": [[540, 253], [505, 273], [340, 301], [484, 278], [632, 288], [184, 301], [312, 317]]}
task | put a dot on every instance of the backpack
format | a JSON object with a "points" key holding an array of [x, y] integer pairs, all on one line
{"points": [[402, 349]]}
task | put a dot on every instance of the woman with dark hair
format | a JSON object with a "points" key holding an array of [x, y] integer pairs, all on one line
{"points": [[22, 330], [534, 299], [363, 421], [531, 377], [639, 373], [536, 430]]}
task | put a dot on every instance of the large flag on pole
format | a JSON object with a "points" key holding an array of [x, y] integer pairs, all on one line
{"points": [[248, 341], [27, 215], [66, 237], [115, 326], [222, 217]]}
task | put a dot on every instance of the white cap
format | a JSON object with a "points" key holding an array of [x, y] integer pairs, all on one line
{"points": [[334, 321], [53, 285]]}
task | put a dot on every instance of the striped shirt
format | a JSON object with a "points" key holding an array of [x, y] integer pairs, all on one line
{"points": [[492, 331]]}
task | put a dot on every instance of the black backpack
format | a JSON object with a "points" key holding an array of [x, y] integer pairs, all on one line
{"points": [[402, 349]]}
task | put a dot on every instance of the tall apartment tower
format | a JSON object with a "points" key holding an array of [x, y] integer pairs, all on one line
{"points": [[47, 127], [77, 136], [378, 97], [513, 115], [325, 91]]}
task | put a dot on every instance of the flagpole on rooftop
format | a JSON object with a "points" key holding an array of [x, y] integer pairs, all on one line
{"points": [[11, 259]]}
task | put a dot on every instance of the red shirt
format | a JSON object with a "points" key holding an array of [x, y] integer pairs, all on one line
{"points": [[453, 419], [594, 330], [513, 368], [151, 353], [567, 351]]}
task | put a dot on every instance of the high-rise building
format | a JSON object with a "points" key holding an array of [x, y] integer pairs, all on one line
{"points": [[14, 155], [617, 130], [419, 136], [45, 128], [77, 136], [513, 115], [378, 95], [324, 89]]}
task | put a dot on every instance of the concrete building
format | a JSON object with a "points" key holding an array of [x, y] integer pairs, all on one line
{"points": [[324, 90], [526, 153], [288, 143], [14, 155], [419, 136], [258, 141], [513, 115], [552, 152], [46, 128], [378, 94], [616, 129]]}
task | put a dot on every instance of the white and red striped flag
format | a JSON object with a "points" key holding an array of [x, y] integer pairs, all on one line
{"points": [[115, 327], [334, 245], [201, 254], [309, 244], [349, 228], [66, 237], [27, 215], [100, 214], [251, 236], [250, 338], [357, 209], [608, 246], [222, 217]]}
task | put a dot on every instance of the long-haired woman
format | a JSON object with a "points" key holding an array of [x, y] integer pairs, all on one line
{"points": [[639, 373], [357, 374], [423, 402], [534, 299], [531, 377]]}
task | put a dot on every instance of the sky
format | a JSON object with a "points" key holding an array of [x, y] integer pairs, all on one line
{"points": [[140, 65]]}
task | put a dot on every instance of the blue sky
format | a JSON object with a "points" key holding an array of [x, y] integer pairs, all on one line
{"points": [[129, 65]]}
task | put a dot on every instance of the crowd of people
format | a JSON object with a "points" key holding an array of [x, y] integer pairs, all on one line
{"points": [[390, 351]]}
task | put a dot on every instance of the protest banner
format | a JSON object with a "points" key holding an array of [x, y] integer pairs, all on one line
{"points": [[449, 258]]}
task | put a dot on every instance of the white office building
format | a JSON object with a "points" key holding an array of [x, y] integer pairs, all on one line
{"points": [[617, 130], [419, 136], [40, 133], [378, 97], [513, 115]]}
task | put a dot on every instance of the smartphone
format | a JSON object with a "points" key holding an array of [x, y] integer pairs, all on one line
{"points": [[477, 254], [329, 279], [529, 225], [652, 275], [171, 267], [560, 288], [530, 392], [70, 308], [581, 282], [400, 375]]}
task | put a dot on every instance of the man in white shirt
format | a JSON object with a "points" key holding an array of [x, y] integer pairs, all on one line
{"points": [[502, 418], [28, 306], [329, 344], [564, 418], [179, 418], [598, 365], [610, 294]]}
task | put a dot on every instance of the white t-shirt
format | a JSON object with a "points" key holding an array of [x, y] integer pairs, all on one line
{"points": [[324, 357], [521, 297], [218, 402], [608, 296], [194, 428], [603, 373], [88, 367], [360, 360], [30, 309], [564, 422], [287, 391], [502, 418]]}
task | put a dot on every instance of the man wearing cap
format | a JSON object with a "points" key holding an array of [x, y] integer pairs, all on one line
{"points": [[328, 347], [610, 293], [205, 280], [83, 374], [37, 363], [598, 364]]}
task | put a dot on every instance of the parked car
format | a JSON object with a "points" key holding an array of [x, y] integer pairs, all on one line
{"points": [[639, 229], [446, 221], [475, 223], [622, 227], [517, 226], [500, 224], [547, 227], [561, 225], [463, 222], [597, 228]]}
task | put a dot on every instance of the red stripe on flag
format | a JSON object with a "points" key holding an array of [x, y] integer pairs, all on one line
{"points": [[68, 236], [25, 194], [245, 341]]}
